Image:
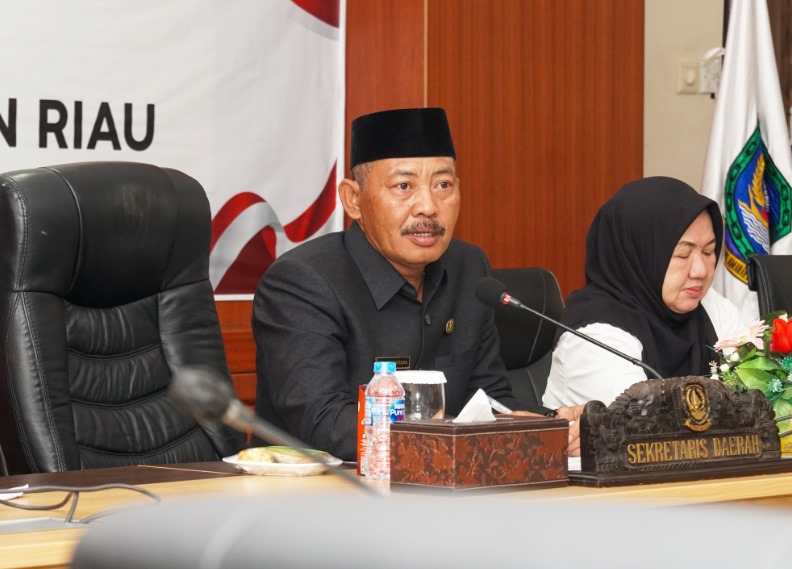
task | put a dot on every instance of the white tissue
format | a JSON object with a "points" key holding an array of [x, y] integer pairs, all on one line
{"points": [[477, 409]]}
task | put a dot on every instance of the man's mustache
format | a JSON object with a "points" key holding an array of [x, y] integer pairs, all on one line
{"points": [[429, 225]]}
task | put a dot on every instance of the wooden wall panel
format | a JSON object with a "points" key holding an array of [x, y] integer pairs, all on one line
{"points": [[234, 316], [385, 57], [545, 99]]}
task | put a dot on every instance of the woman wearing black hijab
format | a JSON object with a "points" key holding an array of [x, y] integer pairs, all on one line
{"points": [[650, 259]]}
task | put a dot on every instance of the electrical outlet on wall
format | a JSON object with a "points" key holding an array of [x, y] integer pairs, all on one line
{"points": [[687, 77]]}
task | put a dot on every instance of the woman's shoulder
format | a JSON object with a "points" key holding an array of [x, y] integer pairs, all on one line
{"points": [[609, 334], [724, 315]]}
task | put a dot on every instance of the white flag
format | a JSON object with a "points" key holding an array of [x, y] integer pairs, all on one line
{"points": [[749, 164]]}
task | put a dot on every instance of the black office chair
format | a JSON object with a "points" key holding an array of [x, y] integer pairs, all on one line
{"points": [[770, 276], [104, 294], [3, 466], [526, 341]]}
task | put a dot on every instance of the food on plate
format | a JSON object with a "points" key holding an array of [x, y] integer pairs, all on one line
{"points": [[290, 456], [257, 454], [281, 461], [284, 455]]}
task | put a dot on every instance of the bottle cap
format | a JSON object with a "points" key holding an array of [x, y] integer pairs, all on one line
{"points": [[384, 367]]}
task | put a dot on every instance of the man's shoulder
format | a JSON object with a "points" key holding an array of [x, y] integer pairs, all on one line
{"points": [[318, 248], [464, 265], [459, 250], [310, 263], [325, 254]]}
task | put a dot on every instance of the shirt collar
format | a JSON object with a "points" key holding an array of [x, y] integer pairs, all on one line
{"points": [[382, 279]]}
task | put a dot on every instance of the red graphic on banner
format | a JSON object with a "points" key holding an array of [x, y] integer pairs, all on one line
{"points": [[325, 10], [259, 252]]}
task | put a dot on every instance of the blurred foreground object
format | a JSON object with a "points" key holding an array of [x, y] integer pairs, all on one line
{"points": [[308, 532]]}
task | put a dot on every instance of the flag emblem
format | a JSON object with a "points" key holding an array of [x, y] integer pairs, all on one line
{"points": [[757, 206]]}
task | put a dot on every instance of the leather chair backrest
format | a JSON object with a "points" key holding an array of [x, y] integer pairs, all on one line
{"points": [[3, 466], [104, 294], [770, 276], [526, 341]]}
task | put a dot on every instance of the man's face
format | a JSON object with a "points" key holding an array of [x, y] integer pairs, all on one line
{"points": [[408, 210]]}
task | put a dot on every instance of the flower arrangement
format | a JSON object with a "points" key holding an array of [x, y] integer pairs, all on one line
{"points": [[760, 358]]}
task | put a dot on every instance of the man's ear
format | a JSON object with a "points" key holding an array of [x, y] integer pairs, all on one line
{"points": [[349, 192]]}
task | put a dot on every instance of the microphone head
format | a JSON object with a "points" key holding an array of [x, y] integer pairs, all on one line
{"points": [[490, 291], [201, 393]]}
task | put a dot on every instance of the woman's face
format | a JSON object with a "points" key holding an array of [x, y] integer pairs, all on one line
{"points": [[692, 266]]}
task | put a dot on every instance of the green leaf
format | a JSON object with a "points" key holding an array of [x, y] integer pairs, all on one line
{"points": [[787, 393], [755, 379], [782, 408], [770, 316], [760, 362], [730, 378]]}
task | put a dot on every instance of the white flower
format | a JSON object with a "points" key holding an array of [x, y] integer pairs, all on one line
{"points": [[735, 357], [751, 336], [714, 376], [724, 367]]}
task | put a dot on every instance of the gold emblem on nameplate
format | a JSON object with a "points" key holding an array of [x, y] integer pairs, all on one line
{"points": [[697, 407], [449, 327]]}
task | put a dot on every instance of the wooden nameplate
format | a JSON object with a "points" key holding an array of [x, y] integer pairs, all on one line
{"points": [[608, 479], [684, 428]]}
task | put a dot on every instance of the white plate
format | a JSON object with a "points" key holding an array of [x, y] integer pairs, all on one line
{"points": [[280, 468]]}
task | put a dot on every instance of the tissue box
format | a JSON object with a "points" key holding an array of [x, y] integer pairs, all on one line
{"points": [[510, 452]]}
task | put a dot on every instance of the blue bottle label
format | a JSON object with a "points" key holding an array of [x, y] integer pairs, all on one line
{"points": [[375, 413], [397, 411]]}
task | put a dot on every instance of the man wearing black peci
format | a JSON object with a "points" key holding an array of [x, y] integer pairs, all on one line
{"points": [[394, 286]]}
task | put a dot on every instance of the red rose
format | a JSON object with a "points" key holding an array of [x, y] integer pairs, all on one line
{"points": [[782, 336]]}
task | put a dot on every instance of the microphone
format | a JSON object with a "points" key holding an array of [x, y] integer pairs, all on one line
{"points": [[200, 393], [493, 292]]}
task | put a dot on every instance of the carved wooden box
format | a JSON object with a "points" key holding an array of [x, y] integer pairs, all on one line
{"points": [[509, 452]]}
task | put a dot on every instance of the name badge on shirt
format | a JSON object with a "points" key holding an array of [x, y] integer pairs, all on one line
{"points": [[402, 362]]}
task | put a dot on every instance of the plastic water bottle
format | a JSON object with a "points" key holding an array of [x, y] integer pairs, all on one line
{"points": [[384, 405]]}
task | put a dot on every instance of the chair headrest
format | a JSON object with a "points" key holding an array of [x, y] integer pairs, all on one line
{"points": [[524, 338], [769, 276], [105, 233]]}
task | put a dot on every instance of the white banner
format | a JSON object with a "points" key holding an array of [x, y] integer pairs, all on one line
{"points": [[749, 164], [246, 97]]}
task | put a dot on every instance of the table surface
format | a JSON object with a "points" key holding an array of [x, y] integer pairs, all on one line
{"points": [[54, 548]]}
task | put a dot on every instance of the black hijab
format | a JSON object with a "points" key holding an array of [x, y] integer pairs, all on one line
{"points": [[628, 248]]}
